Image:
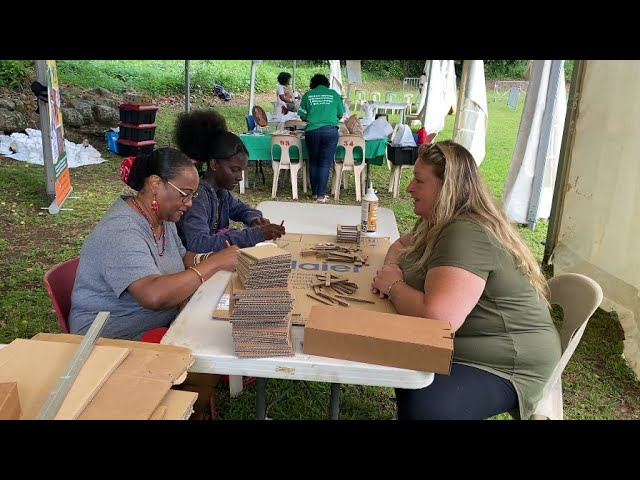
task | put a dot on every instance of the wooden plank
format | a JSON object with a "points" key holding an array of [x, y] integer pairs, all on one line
{"points": [[37, 365]]}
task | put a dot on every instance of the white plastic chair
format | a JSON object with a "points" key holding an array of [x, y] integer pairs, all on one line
{"points": [[349, 142], [579, 296], [285, 142], [360, 97]]}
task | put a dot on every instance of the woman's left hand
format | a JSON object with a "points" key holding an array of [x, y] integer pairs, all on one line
{"points": [[260, 221], [384, 278]]}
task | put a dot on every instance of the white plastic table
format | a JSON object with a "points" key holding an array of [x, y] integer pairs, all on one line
{"points": [[211, 343], [399, 107]]}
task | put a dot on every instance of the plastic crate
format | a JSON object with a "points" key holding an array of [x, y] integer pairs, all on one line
{"points": [[402, 155], [137, 133], [128, 148], [138, 114]]}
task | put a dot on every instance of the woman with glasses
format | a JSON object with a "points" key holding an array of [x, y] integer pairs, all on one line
{"points": [[133, 263], [466, 264], [203, 136]]}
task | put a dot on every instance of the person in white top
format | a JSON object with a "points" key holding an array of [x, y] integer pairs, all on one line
{"points": [[288, 101]]}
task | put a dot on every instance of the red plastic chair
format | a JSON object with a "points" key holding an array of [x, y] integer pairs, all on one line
{"points": [[59, 282]]}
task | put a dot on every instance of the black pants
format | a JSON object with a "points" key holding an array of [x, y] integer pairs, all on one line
{"points": [[468, 393]]}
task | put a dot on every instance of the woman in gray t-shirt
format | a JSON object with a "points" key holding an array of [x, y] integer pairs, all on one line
{"points": [[133, 263]]}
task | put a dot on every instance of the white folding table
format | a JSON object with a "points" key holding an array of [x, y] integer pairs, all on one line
{"points": [[211, 343]]}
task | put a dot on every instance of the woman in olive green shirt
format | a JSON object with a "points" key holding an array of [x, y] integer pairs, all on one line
{"points": [[466, 264]]}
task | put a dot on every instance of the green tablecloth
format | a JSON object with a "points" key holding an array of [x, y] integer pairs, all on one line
{"points": [[258, 146]]}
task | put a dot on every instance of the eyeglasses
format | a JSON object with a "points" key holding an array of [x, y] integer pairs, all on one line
{"points": [[185, 196]]}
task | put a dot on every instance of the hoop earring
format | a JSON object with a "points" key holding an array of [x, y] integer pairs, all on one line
{"points": [[154, 204]]}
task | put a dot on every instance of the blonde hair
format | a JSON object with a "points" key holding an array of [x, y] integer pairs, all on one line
{"points": [[465, 194]]}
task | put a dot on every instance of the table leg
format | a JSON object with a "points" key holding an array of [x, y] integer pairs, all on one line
{"points": [[335, 400], [261, 405], [235, 385]]}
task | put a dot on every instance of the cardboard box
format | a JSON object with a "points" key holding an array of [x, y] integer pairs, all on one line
{"points": [[414, 343], [305, 268], [9, 401]]}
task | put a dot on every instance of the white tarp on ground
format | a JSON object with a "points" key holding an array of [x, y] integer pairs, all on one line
{"points": [[441, 94], [598, 226], [28, 148], [517, 191], [474, 114]]}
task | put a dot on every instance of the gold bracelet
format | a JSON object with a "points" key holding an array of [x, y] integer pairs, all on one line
{"points": [[391, 286], [199, 274]]}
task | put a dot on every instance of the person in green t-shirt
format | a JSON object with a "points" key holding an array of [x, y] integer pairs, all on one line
{"points": [[466, 264], [322, 109]]}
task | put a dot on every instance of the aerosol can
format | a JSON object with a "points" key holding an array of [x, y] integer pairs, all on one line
{"points": [[369, 216]]}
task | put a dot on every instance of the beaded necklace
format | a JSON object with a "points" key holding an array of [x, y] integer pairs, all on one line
{"points": [[162, 228]]}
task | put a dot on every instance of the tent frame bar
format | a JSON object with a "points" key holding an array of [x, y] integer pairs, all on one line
{"points": [[564, 162]]}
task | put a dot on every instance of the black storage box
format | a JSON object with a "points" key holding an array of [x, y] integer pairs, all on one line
{"points": [[402, 155], [138, 114], [137, 133], [128, 148]]}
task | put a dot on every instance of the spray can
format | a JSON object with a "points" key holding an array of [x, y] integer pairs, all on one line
{"points": [[369, 215]]}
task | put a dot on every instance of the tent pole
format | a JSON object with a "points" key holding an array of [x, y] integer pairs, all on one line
{"points": [[293, 84], [45, 128], [564, 161], [464, 79], [252, 86], [187, 87], [545, 139]]}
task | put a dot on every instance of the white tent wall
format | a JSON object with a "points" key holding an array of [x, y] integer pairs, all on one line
{"points": [[441, 94], [519, 184], [595, 222], [470, 129]]}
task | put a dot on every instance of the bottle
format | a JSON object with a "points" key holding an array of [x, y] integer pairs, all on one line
{"points": [[369, 215]]}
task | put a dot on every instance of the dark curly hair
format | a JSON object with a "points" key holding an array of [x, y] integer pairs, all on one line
{"points": [[203, 135], [283, 78], [318, 79], [164, 162]]}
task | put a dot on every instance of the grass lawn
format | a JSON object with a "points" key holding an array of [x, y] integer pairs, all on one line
{"points": [[597, 382]]}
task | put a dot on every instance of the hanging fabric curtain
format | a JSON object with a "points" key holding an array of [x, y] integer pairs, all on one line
{"points": [[471, 128], [539, 140]]}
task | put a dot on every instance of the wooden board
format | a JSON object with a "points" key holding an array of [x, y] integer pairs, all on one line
{"points": [[37, 366]]}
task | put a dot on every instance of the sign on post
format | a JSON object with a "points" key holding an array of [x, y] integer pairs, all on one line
{"points": [[56, 168]]}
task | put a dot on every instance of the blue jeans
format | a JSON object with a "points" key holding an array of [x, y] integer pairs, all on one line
{"points": [[468, 393], [321, 147]]}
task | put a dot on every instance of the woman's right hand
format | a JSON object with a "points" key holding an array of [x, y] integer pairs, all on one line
{"points": [[225, 259], [271, 231]]}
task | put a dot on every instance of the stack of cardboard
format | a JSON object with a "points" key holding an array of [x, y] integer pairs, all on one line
{"points": [[261, 324], [260, 318], [348, 233], [120, 380], [266, 266]]}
